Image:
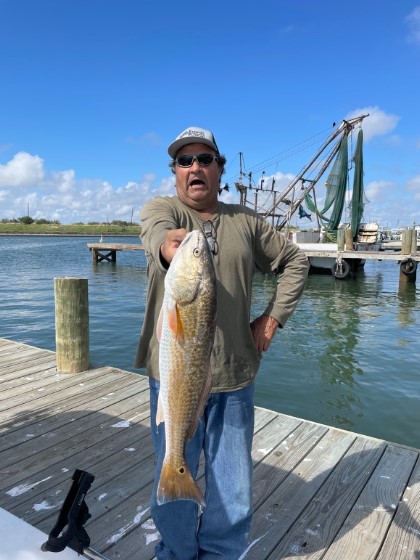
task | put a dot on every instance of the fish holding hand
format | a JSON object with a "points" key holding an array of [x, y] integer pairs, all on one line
{"points": [[185, 331]]}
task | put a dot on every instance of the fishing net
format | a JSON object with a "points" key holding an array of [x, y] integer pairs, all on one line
{"points": [[357, 201], [336, 190]]}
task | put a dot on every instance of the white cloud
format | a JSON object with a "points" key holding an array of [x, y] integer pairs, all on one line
{"points": [[376, 191], [378, 123], [413, 22], [21, 171], [60, 195]]}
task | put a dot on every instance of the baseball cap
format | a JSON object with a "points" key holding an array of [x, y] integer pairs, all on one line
{"points": [[192, 135]]}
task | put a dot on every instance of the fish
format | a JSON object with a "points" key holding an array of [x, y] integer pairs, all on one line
{"points": [[185, 330]]}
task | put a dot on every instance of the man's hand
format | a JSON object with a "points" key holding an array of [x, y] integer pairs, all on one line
{"points": [[263, 330], [172, 241]]}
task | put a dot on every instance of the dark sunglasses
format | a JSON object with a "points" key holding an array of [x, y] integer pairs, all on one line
{"points": [[203, 160], [210, 233]]}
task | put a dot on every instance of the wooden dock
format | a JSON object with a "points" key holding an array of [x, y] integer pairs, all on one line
{"points": [[108, 251], [319, 492], [363, 255]]}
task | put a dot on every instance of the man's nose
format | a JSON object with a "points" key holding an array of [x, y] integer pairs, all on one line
{"points": [[195, 165]]}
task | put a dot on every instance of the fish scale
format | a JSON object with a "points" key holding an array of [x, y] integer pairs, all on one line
{"points": [[186, 332]]}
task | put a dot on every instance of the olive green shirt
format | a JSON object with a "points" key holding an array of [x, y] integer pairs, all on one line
{"points": [[246, 243]]}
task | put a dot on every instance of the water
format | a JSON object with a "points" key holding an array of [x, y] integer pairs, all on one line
{"points": [[349, 357]]}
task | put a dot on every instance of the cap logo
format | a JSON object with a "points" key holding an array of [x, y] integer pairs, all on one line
{"points": [[196, 133]]}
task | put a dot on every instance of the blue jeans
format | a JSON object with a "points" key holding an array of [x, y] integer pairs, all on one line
{"points": [[225, 434]]}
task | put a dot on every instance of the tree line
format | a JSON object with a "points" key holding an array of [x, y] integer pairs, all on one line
{"points": [[27, 220]]}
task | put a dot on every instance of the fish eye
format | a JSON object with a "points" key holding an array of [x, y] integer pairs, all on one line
{"points": [[196, 252]]}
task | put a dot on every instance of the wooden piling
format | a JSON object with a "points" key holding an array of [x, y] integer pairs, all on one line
{"points": [[406, 241], [348, 236], [71, 324], [340, 239], [414, 241]]}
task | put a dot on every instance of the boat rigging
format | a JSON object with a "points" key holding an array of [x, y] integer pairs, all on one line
{"points": [[279, 206]]}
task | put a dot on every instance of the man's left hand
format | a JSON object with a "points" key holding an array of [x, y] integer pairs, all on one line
{"points": [[263, 330]]}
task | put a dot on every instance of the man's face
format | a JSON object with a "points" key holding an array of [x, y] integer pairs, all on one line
{"points": [[198, 186]]}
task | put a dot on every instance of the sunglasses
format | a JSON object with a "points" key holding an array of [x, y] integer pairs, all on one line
{"points": [[203, 160], [210, 233]]}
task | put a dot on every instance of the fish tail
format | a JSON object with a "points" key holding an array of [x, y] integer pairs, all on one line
{"points": [[177, 483]]}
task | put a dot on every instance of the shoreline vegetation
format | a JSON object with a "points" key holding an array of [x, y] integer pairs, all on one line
{"points": [[94, 230]]}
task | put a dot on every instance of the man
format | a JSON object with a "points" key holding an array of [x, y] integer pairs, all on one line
{"points": [[242, 242]]}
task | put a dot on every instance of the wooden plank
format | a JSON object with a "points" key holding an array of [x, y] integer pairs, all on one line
{"points": [[93, 443], [103, 460], [115, 246], [13, 350], [68, 384], [31, 444], [97, 400], [41, 368], [282, 459], [403, 539], [13, 363], [300, 484], [314, 531], [86, 397], [318, 492], [365, 528], [365, 255]]}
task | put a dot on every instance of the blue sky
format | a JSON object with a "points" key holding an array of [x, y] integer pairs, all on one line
{"points": [[92, 92]]}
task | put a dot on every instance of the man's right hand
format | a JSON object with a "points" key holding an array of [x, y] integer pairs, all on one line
{"points": [[172, 241]]}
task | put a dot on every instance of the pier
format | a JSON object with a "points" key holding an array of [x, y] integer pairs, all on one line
{"points": [[108, 251], [319, 492], [316, 250], [326, 256]]}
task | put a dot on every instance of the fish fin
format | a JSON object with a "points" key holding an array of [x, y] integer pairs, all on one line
{"points": [[175, 323], [159, 325], [160, 417], [202, 404], [178, 484]]}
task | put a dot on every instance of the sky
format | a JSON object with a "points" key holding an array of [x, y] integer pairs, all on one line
{"points": [[92, 92]]}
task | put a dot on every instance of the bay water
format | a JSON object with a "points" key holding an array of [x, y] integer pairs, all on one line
{"points": [[349, 357]]}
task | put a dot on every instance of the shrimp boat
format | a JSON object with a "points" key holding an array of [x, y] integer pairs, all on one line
{"points": [[303, 197]]}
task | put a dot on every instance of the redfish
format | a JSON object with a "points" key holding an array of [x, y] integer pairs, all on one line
{"points": [[185, 331]]}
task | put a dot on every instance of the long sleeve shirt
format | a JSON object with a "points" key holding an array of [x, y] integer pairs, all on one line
{"points": [[246, 243]]}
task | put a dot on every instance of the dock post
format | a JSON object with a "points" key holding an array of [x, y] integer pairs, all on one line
{"points": [[348, 239], [406, 241], [414, 240], [71, 324], [340, 239]]}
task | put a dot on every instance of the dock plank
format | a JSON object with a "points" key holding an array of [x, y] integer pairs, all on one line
{"points": [[365, 528], [320, 521], [403, 538], [319, 492]]}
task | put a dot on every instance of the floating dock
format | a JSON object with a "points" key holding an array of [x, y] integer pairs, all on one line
{"points": [[319, 492]]}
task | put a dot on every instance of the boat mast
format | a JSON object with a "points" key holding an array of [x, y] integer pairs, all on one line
{"points": [[239, 185], [344, 129]]}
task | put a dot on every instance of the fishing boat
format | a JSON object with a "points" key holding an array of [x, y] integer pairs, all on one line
{"points": [[303, 197]]}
